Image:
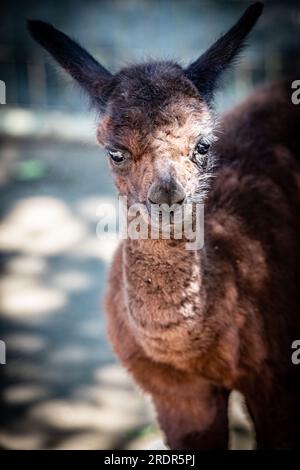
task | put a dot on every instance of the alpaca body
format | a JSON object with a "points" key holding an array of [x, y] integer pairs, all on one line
{"points": [[191, 326]]}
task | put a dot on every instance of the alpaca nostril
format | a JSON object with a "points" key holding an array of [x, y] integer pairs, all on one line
{"points": [[180, 201], [178, 196], [151, 201]]}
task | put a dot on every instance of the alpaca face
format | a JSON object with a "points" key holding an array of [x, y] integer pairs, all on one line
{"points": [[158, 133]]}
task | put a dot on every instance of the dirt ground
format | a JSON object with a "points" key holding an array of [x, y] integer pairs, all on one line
{"points": [[62, 387]]}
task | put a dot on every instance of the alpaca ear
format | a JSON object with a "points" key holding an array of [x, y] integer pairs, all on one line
{"points": [[206, 70], [94, 78]]}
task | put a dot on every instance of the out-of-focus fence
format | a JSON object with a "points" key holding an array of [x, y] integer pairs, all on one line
{"points": [[119, 31]]}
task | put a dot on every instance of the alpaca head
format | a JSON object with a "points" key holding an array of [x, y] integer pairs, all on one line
{"points": [[157, 130], [156, 118]]}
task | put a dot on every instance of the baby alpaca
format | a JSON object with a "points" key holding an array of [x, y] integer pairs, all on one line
{"points": [[192, 325]]}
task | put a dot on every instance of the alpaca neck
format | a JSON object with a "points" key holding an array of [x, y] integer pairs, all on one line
{"points": [[165, 298]]}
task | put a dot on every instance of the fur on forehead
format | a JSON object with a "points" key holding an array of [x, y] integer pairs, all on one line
{"points": [[148, 99]]}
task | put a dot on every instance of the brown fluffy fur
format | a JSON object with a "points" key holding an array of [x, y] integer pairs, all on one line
{"points": [[191, 326]]}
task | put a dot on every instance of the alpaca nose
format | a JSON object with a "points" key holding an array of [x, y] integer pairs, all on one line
{"points": [[166, 191]]}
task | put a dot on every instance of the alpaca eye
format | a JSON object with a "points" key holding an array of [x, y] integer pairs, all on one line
{"points": [[202, 146], [199, 151], [116, 156]]}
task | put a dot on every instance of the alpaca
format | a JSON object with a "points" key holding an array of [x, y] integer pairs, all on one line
{"points": [[193, 325]]}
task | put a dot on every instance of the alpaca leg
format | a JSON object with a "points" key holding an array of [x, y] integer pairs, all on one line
{"points": [[278, 434], [277, 420], [194, 421]]}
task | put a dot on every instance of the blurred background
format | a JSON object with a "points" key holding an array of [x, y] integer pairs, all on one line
{"points": [[62, 387]]}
